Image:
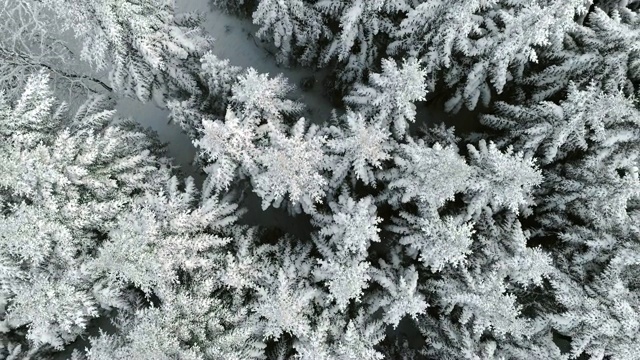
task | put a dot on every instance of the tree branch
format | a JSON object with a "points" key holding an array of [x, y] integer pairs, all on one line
{"points": [[99, 82]]}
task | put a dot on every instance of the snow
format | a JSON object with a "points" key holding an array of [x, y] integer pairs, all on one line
{"points": [[235, 40], [179, 146]]}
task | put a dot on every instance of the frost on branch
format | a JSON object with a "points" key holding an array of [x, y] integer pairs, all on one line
{"points": [[433, 240], [291, 25], [229, 148], [285, 296], [399, 296], [448, 339], [602, 49], [525, 266], [477, 47], [484, 302], [29, 42], [592, 209], [602, 318], [335, 338], [502, 180], [161, 233], [356, 43], [260, 97], [190, 325], [585, 118], [220, 77], [351, 224]]}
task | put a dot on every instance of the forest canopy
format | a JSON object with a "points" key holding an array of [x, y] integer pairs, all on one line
{"points": [[417, 239]]}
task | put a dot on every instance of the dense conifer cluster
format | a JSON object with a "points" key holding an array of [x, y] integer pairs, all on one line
{"points": [[520, 240]]}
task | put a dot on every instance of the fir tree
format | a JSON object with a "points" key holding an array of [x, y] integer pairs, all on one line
{"points": [[291, 25], [65, 181], [602, 49], [586, 210], [144, 45], [389, 99], [355, 149], [30, 43], [477, 47]]}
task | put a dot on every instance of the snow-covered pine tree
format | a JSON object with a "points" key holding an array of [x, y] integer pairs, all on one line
{"points": [[191, 324], [343, 240], [553, 132], [277, 165], [390, 96], [601, 311], [353, 33], [171, 245], [364, 31], [291, 165], [293, 307], [276, 281], [253, 142], [355, 149], [603, 49], [90, 218], [65, 180], [424, 174], [419, 177], [586, 210], [29, 42], [295, 27], [477, 47], [337, 337], [256, 111], [161, 233], [475, 267], [229, 148], [438, 243], [145, 45], [484, 304], [256, 95], [218, 77]]}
